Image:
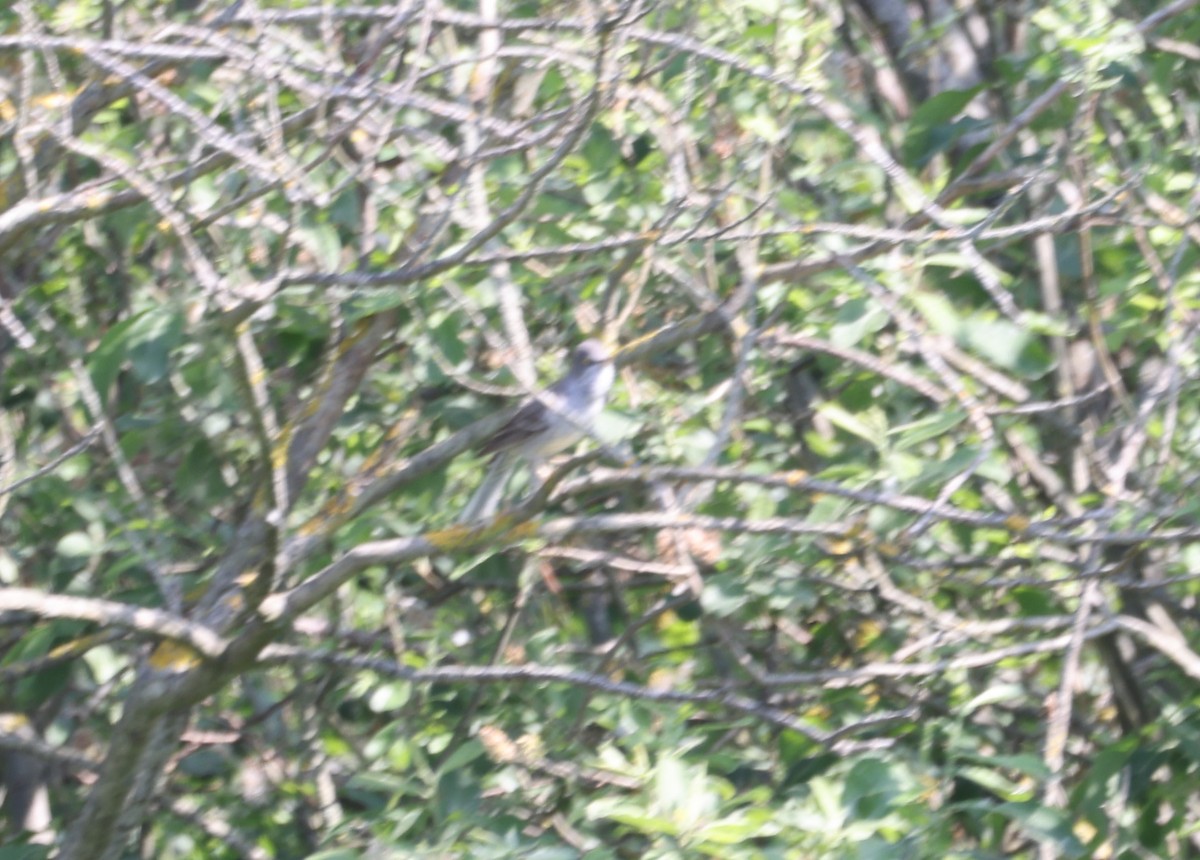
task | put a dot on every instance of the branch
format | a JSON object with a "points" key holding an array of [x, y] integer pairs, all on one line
{"points": [[531, 673], [155, 622]]}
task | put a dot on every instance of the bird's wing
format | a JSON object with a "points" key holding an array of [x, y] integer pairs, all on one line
{"points": [[533, 418]]}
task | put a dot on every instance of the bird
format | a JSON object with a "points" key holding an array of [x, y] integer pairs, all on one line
{"points": [[551, 422]]}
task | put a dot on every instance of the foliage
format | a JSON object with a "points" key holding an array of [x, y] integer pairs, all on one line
{"points": [[884, 546]]}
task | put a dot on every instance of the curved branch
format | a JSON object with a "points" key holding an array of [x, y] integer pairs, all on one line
{"points": [[140, 619]]}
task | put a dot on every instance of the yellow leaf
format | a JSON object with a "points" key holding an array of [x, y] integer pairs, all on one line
{"points": [[1017, 523], [839, 547], [173, 656]]}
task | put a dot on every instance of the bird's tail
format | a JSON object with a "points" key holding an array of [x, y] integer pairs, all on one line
{"points": [[487, 498]]}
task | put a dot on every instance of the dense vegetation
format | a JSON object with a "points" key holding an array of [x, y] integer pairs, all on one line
{"points": [[883, 547]]}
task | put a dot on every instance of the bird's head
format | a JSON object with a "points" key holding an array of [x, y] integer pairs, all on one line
{"points": [[593, 363], [589, 353]]}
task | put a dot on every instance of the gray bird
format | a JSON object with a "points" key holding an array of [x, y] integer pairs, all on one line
{"points": [[548, 424]]}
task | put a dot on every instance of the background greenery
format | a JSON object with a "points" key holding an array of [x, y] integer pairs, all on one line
{"points": [[886, 547]]}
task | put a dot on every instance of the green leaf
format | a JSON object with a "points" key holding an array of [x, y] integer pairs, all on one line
{"points": [[991, 696], [933, 427], [457, 793], [1006, 345], [33, 690], [870, 424], [996, 783], [931, 130], [464, 755], [938, 312], [723, 595], [390, 696], [728, 831], [321, 240], [106, 359], [75, 14], [629, 813], [145, 340], [76, 545], [1046, 825], [1025, 763], [601, 150], [873, 786], [1035, 601], [150, 339], [939, 109], [372, 302], [104, 662], [855, 320]]}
